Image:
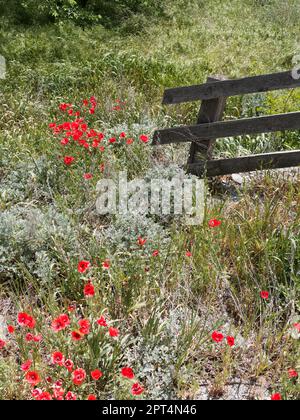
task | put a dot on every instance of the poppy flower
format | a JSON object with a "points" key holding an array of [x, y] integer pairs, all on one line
{"points": [[68, 160], [188, 254], [102, 149], [106, 265], [102, 322], [155, 253], [276, 397], [37, 338], [129, 141], [33, 378], [44, 396], [123, 135], [142, 241], [69, 365], [70, 396], [231, 341], [265, 295], [78, 376], [11, 329], [87, 176], [112, 140], [91, 398], [214, 223], [57, 358], [144, 138], [293, 374], [114, 332], [64, 141], [25, 320], [217, 337], [36, 392], [76, 336], [26, 366], [29, 337], [96, 374], [89, 290], [137, 389], [297, 327], [83, 266], [127, 373], [85, 102], [2, 344], [92, 111], [60, 323], [84, 326]]}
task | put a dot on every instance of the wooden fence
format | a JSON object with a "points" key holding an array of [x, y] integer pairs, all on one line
{"points": [[210, 126]]}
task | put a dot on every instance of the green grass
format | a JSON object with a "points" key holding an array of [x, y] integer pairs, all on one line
{"points": [[168, 306]]}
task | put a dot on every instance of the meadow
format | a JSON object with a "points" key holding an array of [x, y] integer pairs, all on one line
{"points": [[117, 307]]}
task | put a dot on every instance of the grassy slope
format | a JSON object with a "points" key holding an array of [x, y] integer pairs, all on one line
{"points": [[257, 247]]}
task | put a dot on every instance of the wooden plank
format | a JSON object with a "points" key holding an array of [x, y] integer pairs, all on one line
{"points": [[246, 164], [211, 110], [227, 88], [268, 124]]}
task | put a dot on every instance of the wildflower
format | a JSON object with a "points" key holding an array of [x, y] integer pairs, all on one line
{"points": [[91, 398], [69, 365], [127, 373], [44, 396], [137, 389], [60, 323], [68, 160], [87, 176], [112, 140], [102, 322], [78, 376], [26, 366], [70, 396], [231, 341], [25, 320], [85, 102], [188, 254], [265, 295], [89, 290], [37, 338], [106, 265], [64, 141], [297, 327], [92, 111], [123, 135], [11, 329], [217, 337], [114, 332], [214, 223], [276, 397], [83, 266], [2, 344], [142, 241], [36, 392], [57, 358], [129, 141], [84, 326], [29, 337], [72, 308], [293, 374], [33, 378], [76, 336], [96, 374], [144, 138], [155, 253]]}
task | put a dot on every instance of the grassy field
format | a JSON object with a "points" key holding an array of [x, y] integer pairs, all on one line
{"points": [[165, 305]]}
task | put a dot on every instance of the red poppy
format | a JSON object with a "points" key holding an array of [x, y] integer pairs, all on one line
{"points": [[76, 336], [29, 337], [84, 326], [83, 266], [96, 374], [69, 365], [37, 338], [114, 332], [2, 344], [142, 241], [57, 358], [217, 337], [26, 366], [102, 322], [112, 140], [155, 253], [92, 111], [70, 396], [68, 160], [127, 373], [44, 396], [64, 141], [137, 389], [60, 323], [36, 392], [231, 341], [11, 329], [129, 141], [78, 376], [144, 138], [25, 320], [276, 397], [293, 374], [33, 378], [89, 290], [106, 265], [91, 398], [123, 135], [214, 223], [188, 254], [87, 176], [265, 295], [85, 102], [297, 327]]}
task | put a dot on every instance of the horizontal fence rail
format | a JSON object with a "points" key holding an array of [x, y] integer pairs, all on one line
{"points": [[223, 129], [246, 164], [236, 87]]}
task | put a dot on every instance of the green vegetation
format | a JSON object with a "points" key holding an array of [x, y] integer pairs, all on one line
{"points": [[168, 307]]}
